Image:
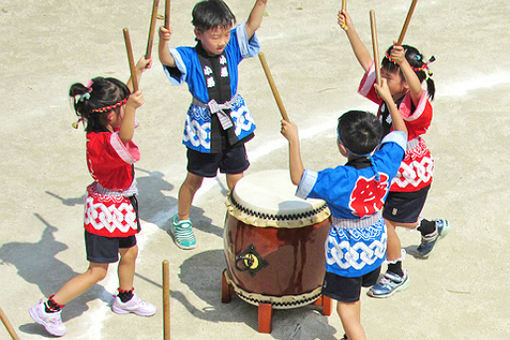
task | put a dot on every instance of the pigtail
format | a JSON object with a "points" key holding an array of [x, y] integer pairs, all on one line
{"points": [[431, 88]]}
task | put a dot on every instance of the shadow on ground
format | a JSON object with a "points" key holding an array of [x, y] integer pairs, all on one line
{"points": [[37, 264]]}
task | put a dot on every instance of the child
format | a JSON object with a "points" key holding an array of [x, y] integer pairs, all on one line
{"points": [[111, 211], [405, 70], [218, 123], [355, 194]]}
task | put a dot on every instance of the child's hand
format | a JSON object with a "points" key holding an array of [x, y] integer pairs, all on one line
{"points": [[143, 64], [289, 131], [398, 54], [135, 99], [164, 34], [383, 91], [344, 20]]}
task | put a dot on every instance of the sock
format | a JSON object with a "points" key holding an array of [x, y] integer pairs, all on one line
{"points": [[125, 295], [427, 227], [51, 306], [396, 268]]}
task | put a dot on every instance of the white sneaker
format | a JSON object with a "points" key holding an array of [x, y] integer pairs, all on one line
{"points": [[134, 305], [52, 322]]}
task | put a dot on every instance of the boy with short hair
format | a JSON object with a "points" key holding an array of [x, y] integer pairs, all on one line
{"points": [[355, 194], [218, 122]]}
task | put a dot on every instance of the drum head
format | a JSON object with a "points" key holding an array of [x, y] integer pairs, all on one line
{"points": [[267, 198]]}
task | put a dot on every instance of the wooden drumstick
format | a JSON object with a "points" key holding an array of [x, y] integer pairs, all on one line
{"points": [[129, 50], [166, 301], [152, 27], [273, 87], [406, 23], [375, 46], [344, 7], [8, 325], [167, 14]]}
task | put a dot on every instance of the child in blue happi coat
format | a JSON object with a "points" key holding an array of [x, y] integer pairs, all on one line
{"points": [[218, 122], [355, 194]]}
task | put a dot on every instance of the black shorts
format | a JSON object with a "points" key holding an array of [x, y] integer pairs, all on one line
{"points": [[348, 289], [102, 249], [405, 207], [231, 161]]}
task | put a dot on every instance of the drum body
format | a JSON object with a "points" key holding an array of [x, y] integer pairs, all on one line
{"points": [[274, 241]]}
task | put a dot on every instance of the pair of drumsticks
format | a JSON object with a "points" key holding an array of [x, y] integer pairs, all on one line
{"points": [[152, 28], [374, 45]]}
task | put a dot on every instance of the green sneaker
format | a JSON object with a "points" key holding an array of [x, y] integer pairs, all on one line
{"points": [[182, 233]]}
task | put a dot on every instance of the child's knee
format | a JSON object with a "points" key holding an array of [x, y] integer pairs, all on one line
{"points": [[98, 272], [129, 254], [193, 181]]}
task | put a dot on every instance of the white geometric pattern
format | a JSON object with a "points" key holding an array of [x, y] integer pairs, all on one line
{"points": [[415, 173], [197, 129], [115, 216], [357, 255]]}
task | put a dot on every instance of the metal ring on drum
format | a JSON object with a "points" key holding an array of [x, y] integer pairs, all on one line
{"points": [[274, 245]]}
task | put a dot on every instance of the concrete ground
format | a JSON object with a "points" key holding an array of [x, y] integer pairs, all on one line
{"points": [[458, 293]]}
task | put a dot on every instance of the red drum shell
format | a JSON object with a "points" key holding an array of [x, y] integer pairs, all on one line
{"points": [[290, 261]]}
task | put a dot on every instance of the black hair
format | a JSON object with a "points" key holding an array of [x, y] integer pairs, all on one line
{"points": [[101, 93], [209, 14], [360, 131], [416, 60]]}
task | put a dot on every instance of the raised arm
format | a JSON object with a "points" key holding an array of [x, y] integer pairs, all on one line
{"points": [[255, 18], [413, 82], [384, 93], [164, 54], [127, 126], [296, 168], [359, 49], [141, 66]]}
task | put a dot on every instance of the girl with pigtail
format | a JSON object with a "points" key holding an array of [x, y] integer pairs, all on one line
{"points": [[106, 107], [403, 71]]}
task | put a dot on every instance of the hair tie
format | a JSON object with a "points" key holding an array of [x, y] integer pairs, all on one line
{"points": [[89, 85], [77, 123], [84, 96]]}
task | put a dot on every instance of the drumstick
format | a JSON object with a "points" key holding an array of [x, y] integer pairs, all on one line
{"points": [[129, 50], [273, 87], [152, 27], [406, 23], [167, 14], [8, 325], [375, 46], [166, 301], [344, 5]]}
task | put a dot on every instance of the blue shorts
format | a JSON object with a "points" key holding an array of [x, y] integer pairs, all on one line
{"points": [[231, 161], [102, 249], [405, 207], [348, 289]]}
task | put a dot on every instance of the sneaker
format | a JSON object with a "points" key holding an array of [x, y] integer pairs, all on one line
{"points": [[134, 305], [429, 241], [183, 235], [52, 322], [388, 285]]}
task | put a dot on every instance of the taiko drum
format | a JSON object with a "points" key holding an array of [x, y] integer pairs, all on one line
{"points": [[274, 241]]}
